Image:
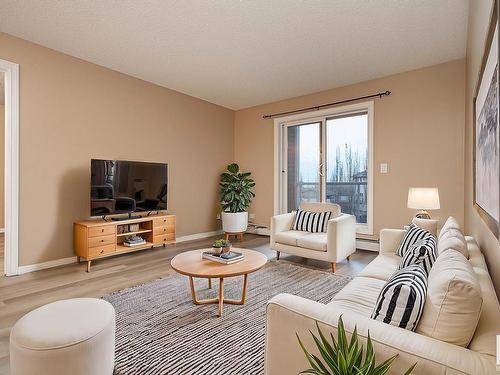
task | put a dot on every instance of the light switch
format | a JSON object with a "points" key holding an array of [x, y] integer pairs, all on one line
{"points": [[383, 168]]}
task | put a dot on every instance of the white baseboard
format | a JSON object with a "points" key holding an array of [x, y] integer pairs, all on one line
{"points": [[369, 245], [197, 236], [69, 260], [2, 230], [44, 265]]}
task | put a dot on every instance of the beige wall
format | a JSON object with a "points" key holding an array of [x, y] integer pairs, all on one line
{"points": [[73, 110], [479, 15], [2, 165], [418, 131]]}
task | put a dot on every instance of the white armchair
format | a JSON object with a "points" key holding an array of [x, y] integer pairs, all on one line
{"points": [[337, 244]]}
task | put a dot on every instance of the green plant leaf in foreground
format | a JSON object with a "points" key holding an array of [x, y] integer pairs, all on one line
{"points": [[344, 357]]}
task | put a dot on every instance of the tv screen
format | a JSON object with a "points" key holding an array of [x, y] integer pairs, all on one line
{"points": [[119, 186]]}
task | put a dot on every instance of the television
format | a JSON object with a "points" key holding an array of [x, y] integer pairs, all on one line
{"points": [[121, 187]]}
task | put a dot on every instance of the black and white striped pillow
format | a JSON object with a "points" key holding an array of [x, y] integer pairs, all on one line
{"points": [[401, 300], [314, 222], [412, 235], [422, 252]]}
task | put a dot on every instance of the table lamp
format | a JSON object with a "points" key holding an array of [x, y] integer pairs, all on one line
{"points": [[423, 199]]}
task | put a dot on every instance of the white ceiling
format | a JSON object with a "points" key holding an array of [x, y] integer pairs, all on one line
{"points": [[243, 53]]}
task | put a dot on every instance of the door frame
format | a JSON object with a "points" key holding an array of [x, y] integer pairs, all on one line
{"points": [[317, 116], [11, 174]]}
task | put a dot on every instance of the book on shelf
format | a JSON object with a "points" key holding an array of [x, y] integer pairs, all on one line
{"points": [[224, 258], [132, 244]]}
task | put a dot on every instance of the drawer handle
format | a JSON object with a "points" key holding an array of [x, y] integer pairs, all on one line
{"points": [[164, 229], [102, 230], [102, 240], [102, 251], [164, 239], [164, 220]]}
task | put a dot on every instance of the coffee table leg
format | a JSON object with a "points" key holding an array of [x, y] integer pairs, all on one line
{"points": [[201, 301], [209, 283], [243, 294], [221, 296]]}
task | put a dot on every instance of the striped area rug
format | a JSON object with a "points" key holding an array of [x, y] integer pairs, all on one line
{"points": [[160, 331]]}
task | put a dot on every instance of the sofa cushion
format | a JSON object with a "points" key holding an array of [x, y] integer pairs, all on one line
{"points": [[402, 298], [453, 239], [430, 225], [334, 208], [359, 296], [289, 237], [450, 223], [422, 252], [382, 267], [453, 303], [313, 241], [314, 222], [412, 235]]}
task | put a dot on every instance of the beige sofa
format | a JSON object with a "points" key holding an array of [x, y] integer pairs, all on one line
{"points": [[333, 246], [288, 314]]}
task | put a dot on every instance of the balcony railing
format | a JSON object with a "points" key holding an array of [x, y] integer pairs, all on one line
{"points": [[351, 196]]}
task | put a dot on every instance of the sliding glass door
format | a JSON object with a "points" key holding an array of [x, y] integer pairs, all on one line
{"points": [[303, 183], [347, 164], [327, 159]]}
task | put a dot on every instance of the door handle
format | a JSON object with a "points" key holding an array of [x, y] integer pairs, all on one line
{"points": [[321, 169]]}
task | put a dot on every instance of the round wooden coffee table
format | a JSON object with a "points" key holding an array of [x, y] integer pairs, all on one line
{"points": [[193, 265]]}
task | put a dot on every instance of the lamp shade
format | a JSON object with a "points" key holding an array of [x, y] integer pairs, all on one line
{"points": [[423, 198]]}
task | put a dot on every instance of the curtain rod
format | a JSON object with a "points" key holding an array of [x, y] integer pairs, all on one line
{"points": [[318, 107]]}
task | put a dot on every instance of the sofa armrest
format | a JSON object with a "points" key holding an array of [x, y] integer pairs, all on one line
{"points": [[287, 315], [341, 235], [390, 240], [281, 223]]}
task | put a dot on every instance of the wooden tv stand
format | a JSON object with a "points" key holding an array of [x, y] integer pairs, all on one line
{"points": [[95, 239]]}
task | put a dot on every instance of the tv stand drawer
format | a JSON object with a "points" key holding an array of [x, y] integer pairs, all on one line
{"points": [[101, 230], [101, 241], [162, 238], [101, 250]]}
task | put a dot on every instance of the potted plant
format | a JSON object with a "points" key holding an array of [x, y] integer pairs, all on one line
{"points": [[235, 196], [221, 246], [343, 356]]}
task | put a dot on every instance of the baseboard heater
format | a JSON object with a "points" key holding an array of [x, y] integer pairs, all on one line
{"points": [[367, 244]]}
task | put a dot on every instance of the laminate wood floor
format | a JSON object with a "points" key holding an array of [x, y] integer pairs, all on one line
{"points": [[21, 294]]}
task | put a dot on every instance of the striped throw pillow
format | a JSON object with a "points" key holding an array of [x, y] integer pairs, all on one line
{"points": [[413, 234], [401, 300], [422, 252], [314, 222]]}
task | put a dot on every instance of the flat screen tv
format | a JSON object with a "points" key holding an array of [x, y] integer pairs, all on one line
{"points": [[120, 186]]}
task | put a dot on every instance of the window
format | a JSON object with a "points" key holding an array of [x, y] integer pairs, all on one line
{"points": [[327, 158]]}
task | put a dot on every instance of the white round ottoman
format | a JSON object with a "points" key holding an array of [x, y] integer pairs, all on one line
{"points": [[67, 337]]}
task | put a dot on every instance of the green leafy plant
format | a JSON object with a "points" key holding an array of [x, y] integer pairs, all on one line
{"points": [[236, 189], [343, 357], [221, 243]]}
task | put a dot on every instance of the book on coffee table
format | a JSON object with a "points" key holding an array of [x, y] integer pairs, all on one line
{"points": [[224, 258]]}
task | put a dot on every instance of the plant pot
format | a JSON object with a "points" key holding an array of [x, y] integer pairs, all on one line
{"points": [[217, 250], [234, 222], [226, 249]]}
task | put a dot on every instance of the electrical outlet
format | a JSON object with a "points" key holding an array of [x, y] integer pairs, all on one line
{"points": [[384, 168]]}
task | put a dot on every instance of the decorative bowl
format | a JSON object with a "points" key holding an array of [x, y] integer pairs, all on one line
{"points": [[217, 250]]}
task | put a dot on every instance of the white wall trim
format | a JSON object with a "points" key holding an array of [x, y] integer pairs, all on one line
{"points": [[197, 236], [11, 76], [44, 265], [69, 260]]}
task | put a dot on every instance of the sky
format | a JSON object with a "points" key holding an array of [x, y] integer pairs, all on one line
{"points": [[339, 131]]}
